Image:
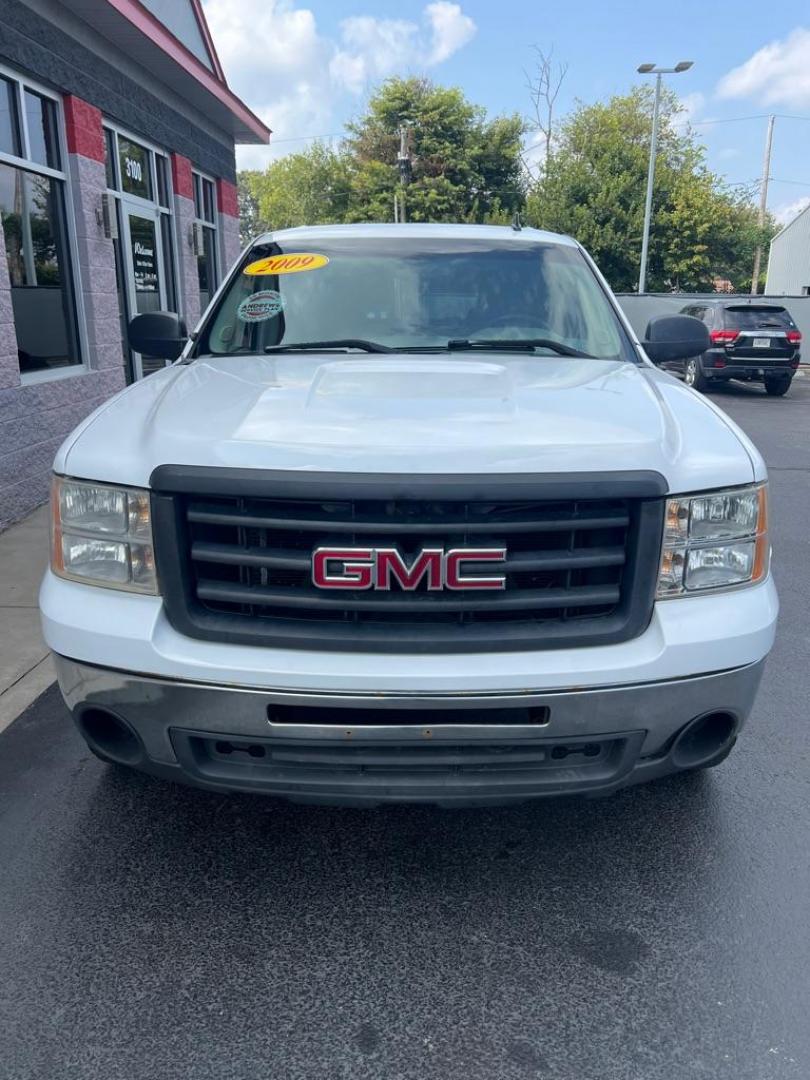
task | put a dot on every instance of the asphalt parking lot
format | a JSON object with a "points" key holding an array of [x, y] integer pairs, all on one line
{"points": [[152, 931]]}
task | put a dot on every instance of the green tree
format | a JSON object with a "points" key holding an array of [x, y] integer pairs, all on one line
{"points": [[311, 187], [465, 167], [595, 185]]}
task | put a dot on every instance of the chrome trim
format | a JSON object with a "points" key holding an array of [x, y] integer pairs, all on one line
{"points": [[449, 699]]}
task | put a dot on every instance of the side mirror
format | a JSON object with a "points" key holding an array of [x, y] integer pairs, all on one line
{"points": [[675, 337], [160, 334]]}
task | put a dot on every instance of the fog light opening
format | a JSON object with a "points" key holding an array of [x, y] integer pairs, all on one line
{"points": [[703, 739], [110, 736]]}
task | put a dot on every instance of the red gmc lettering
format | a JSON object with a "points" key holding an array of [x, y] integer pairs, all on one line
{"points": [[427, 562], [454, 577], [356, 571], [379, 568]]}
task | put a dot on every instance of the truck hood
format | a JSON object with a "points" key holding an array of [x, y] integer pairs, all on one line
{"points": [[411, 414]]}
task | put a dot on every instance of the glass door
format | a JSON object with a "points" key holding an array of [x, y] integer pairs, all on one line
{"points": [[143, 266]]}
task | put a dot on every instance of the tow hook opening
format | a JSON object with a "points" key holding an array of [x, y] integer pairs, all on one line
{"points": [[703, 739], [110, 736]]}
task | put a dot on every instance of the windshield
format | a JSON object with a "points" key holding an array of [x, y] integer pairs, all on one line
{"points": [[414, 293]]}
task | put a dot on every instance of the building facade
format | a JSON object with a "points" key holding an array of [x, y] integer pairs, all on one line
{"points": [[789, 260], [117, 196]]}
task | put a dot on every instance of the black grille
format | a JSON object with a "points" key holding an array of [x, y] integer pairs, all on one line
{"points": [[235, 559]]}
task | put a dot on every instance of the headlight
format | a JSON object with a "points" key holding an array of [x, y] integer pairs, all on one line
{"points": [[102, 535], [714, 541]]}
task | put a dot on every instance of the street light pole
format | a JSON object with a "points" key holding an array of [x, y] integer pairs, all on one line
{"points": [[645, 240], [651, 69]]}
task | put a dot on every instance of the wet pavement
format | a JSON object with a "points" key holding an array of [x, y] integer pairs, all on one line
{"points": [[153, 931]]}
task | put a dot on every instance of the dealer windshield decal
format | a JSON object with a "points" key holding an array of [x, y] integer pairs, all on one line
{"points": [[260, 306], [294, 263]]}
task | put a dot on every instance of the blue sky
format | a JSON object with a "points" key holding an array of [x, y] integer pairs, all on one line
{"points": [[307, 67]]}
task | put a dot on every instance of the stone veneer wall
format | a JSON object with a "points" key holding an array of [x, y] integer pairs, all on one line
{"points": [[230, 244], [188, 285], [35, 417]]}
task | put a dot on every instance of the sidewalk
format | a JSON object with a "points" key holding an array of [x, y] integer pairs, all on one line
{"points": [[26, 668]]}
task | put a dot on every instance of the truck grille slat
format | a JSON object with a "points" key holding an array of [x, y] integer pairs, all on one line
{"points": [[292, 560], [222, 592], [208, 515], [235, 558]]}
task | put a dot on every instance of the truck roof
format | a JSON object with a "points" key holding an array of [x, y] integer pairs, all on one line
{"points": [[417, 229]]}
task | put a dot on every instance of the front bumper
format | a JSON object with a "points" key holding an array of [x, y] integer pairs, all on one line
{"points": [[367, 748]]}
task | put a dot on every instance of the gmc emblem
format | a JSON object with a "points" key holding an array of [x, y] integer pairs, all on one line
{"points": [[378, 568]]}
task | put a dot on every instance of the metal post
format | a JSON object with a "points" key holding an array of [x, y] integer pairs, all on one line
{"points": [[645, 243], [404, 163], [763, 202]]}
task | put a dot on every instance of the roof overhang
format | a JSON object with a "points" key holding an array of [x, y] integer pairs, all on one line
{"points": [[134, 30]]}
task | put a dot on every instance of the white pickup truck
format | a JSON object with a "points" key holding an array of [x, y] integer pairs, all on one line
{"points": [[413, 517]]}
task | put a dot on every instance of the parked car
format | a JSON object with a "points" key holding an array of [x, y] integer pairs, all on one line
{"points": [[414, 517], [751, 340]]}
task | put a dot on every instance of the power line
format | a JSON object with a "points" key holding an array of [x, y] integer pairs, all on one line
{"points": [[729, 120], [799, 183], [754, 116]]}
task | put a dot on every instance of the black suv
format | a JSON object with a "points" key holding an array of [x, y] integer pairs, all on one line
{"points": [[751, 340]]}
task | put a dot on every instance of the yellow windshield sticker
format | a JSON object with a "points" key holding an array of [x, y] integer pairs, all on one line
{"points": [[294, 263]]}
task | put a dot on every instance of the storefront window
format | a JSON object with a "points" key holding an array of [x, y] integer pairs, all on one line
{"points": [[162, 171], [205, 228], [34, 231], [109, 158], [40, 118], [35, 240], [9, 128]]}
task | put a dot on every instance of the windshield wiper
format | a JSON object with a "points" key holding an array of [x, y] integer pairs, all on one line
{"points": [[521, 344], [338, 343]]}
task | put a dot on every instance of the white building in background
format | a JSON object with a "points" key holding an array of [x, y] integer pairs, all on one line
{"points": [[789, 261]]}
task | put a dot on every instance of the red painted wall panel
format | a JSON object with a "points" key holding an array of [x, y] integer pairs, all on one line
{"points": [[181, 176], [227, 200], [83, 129]]}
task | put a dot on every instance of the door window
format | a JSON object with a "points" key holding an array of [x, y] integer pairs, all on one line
{"points": [[145, 264], [138, 175], [135, 165]]}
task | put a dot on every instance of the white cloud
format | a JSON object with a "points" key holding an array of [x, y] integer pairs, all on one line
{"points": [[290, 74], [372, 48], [274, 59], [451, 29], [777, 74], [788, 211]]}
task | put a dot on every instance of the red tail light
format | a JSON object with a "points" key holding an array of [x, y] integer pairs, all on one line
{"points": [[723, 337], [794, 336]]}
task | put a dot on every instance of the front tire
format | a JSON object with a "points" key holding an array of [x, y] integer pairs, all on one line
{"points": [[693, 375], [777, 385]]}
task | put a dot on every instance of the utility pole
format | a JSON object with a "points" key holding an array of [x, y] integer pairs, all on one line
{"points": [[651, 69], [404, 163], [763, 202]]}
